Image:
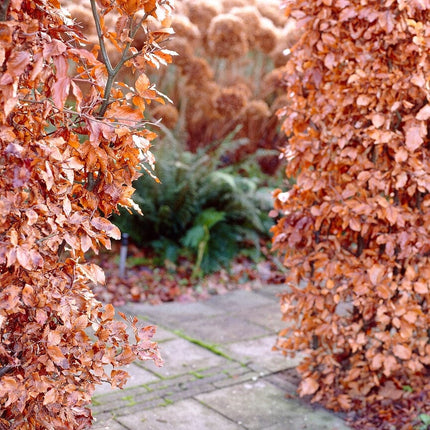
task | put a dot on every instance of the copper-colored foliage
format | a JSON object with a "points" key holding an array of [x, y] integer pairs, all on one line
{"points": [[354, 228], [67, 160]]}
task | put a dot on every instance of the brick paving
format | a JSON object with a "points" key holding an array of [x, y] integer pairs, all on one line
{"points": [[220, 372]]}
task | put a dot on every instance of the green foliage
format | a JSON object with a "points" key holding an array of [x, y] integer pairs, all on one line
{"points": [[199, 208], [425, 419]]}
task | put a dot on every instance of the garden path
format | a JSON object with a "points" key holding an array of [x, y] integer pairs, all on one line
{"points": [[220, 371]]}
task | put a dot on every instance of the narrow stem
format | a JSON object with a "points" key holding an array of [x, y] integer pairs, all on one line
{"points": [[113, 71], [106, 95], [100, 37]]}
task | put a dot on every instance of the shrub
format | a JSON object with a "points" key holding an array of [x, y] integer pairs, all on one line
{"points": [[67, 161], [198, 205], [354, 228]]}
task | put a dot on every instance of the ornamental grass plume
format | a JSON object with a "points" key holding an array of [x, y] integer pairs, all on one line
{"points": [[227, 37]]}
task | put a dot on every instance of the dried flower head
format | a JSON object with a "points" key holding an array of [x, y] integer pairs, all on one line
{"points": [[280, 102], [251, 16], [168, 114], [266, 36], [185, 28], [182, 48], [287, 38], [271, 9], [273, 82], [255, 116], [197, 71], [227, 37], [83, 18], [141, 37], [229, 4], [201, 12], [230, 102]]}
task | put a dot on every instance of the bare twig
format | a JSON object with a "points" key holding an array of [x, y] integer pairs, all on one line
{"points": [[113, 71]]}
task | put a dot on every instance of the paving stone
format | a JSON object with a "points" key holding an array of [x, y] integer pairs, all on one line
{"points": [[233, 380], [138, 376], [107, 424], [186, 394], [260, 352], [180, 380], [184, 415], [238, 300], [169, 314], [161, 335], [182, 357], [229, 328], [268, 316], [131, 410], [259, 405], [272, 290]]}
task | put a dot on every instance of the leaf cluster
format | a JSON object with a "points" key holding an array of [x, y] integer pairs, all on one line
{"points": [[67, 161], [354, 227]]}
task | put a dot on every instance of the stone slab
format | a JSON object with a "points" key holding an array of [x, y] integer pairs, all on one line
{"points": [[161, 335], [138, 376], [260, 405], [238, 300], [268, 316], [229, 328], [169, 314], [272, 290], [183, 415], [259, 351], [181, 356], [109, 424]]}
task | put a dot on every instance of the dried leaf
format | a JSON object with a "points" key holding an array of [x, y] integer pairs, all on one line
{"points": [[308, 386], [401, 351], [106, 226]]}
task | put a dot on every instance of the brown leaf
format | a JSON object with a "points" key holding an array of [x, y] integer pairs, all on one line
{"points": [[50, 397], [142, 84], [376, 272], [23, 257], [424, 113], [108, 313], [17, 62], [60, 91], [402, 351], [421, 288], [308, 386], [413, 138], [56, 355], [104, 225]]}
